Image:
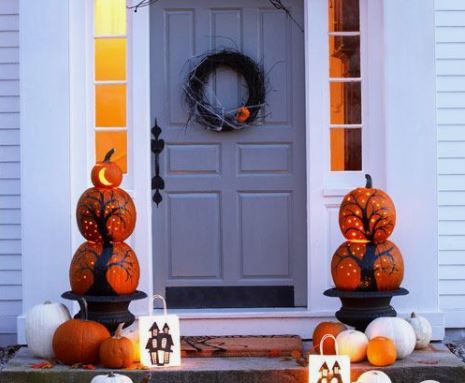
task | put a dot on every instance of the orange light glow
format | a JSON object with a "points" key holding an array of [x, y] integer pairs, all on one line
{"points": [[110, 17], [110, 59], [104, 141], [110, 103]]}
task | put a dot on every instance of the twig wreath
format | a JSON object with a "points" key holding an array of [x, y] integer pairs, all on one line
{"points": [[215, 116]]}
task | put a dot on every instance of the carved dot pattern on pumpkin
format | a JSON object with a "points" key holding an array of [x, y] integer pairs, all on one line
{"points": [[106, 215], [369, 267], [367, 215], [118, 273]]}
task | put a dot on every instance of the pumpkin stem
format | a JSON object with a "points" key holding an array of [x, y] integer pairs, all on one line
{"points": [[369, 184], [413, 315], [84, 312], [47, 303], [108, 155], [118, 331], [111, 374]]}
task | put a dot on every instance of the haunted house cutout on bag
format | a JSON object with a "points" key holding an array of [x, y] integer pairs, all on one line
{"points": [[160, 340]]}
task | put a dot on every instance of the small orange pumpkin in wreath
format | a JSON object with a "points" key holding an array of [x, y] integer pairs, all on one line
{"points": [[242, 114]]}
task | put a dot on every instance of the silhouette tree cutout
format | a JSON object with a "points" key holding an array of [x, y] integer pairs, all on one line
{"points": [[373, 262]]}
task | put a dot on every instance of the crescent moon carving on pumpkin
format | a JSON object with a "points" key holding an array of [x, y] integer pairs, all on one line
{"points": [[102, 178]]}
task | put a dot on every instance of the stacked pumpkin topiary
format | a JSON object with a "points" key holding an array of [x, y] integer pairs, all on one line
{"points": [[106, 216], [367, 261]]}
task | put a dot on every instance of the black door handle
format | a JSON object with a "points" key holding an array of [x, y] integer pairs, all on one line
{"points": [[157, 146]]}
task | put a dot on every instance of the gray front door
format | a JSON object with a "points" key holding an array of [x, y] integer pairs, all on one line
{"points": [[231, 230]]}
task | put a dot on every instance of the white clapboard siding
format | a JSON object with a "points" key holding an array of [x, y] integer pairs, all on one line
{"points": [[10, 217], [450, 99]]}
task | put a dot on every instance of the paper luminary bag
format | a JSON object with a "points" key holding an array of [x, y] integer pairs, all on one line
{"points": [[160, 339], [328, 368]]}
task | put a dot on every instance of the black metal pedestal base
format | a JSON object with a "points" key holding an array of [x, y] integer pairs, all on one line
{"points": [[359, 308], [107, 310]]}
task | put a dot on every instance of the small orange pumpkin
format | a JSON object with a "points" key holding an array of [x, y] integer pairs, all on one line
{"points": [[242, 114], [381, 351], [107, 174], [104, 269], [105, 215], [367, 214], [323, 328], [117, 351], [367, 266], [79, 340]]}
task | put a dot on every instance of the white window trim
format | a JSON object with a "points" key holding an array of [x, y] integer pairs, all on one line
{"points": [[371, 76]]}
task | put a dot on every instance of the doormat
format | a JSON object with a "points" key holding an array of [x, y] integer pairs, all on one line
{"points": [[234, 346]]}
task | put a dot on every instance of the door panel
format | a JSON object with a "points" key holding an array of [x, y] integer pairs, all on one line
{"points": [[234, 209]]}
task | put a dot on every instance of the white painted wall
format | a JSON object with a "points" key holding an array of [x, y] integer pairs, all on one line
{"points": [[10, 220], [46, 213], [450, 96]]}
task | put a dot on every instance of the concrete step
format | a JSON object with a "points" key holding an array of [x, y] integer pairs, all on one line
{"points": [[435, 363]]}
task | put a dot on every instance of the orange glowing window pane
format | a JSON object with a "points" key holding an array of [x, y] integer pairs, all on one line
{"points": [[110, 105], [344, 15], [344, 56], [110, 59], [346, 149], [104, 141], [110, 17], [346, 103]]}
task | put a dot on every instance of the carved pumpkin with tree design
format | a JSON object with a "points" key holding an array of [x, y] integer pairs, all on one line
{"points": [[104, 269], [367, 214], [367, 266], [105, 215]]}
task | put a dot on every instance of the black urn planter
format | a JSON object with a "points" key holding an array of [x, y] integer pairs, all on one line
{"points": [[359, 308], [107, 310]]}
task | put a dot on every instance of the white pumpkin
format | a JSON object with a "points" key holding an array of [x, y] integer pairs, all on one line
{"points": [[132, 333], [397, 329], [354, 344], [374, 376], [41, 322], [111, 378], [423, 330]]}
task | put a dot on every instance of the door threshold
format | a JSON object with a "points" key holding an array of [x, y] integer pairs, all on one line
{"points": [[247, 312], [246, 321]]}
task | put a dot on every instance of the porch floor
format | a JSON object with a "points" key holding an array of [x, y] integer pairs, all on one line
{"points": [[436, 362]]}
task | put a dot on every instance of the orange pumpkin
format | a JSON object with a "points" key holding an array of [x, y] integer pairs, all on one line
{"points": [[381, 351], [104, 269], [367, 214], [79, 340], [106, 215], [323, 328], [242, 114], [107, 174], [117, 351], [367, 266]]}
